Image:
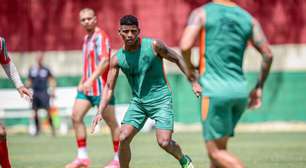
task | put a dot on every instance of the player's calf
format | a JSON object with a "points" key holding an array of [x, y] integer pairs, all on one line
{"points": [[224, 159]]}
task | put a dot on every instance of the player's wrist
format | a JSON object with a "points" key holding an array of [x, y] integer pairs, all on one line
{"points": [[192, 79], [259, 85]]}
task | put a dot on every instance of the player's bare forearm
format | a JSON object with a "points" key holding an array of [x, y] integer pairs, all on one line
{"points": [[12, 73], [100, 69], [187, 58], [52, 84], [265, 66], [169, 54], [110, 84], [106, 97], [260, 42]]}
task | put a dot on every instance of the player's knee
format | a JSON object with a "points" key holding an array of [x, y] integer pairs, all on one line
{"points": [[124, 137], [2, 132], [163, 143], [76, 118]]}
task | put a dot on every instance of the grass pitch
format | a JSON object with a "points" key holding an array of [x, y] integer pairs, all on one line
{"points": [[256, 150]]}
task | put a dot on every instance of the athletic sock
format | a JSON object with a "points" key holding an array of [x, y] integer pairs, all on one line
{"points": [[4, 157], [82, 149], [116, 148], [184, 160]]}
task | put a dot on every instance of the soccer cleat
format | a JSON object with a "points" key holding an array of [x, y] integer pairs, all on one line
{"points": [[78, 163], [188, 163], [113, 164]]}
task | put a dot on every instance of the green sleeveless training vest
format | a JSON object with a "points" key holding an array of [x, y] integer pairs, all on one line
{"points": [[144, 71], [227, 30]]}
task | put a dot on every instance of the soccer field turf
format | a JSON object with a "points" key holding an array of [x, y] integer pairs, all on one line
{"points": [[256, 150]]}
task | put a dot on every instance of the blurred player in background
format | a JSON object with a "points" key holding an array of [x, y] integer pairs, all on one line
{"points": [[43, 84], [13, 75], [225, 30], [141, 60], [96, 55]]}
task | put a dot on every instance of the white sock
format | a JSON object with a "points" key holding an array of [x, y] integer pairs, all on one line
{"points": [[116, 157], [82, 153]]}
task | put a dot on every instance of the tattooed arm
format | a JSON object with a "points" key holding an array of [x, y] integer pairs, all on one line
{"points": [[165, 52], [192, 30], [107, 90], [260, 42]]}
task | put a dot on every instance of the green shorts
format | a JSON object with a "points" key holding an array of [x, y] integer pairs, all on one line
{"points": [[94, 100], [160, 111], [222, 116]]}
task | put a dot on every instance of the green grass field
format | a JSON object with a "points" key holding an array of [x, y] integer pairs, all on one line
{"points": [[256, 150]]}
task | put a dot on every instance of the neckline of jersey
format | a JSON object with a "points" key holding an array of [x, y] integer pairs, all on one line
{"points": [[134, 51]]}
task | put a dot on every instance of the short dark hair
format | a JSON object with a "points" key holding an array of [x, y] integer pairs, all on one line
{"points": [[129, 20]]}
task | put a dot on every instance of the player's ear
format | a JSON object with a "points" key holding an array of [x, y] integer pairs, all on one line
{"points": [[138, 30], [95, 19]]}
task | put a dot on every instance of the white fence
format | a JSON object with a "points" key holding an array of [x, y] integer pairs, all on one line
{"points": [[12, 106]]}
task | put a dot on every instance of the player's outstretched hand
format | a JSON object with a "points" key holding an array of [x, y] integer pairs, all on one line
{"points": [[197, 89], [95, 122], [255, 98], [25, 93]]}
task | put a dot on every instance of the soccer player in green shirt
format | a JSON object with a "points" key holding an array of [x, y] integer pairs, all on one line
{"points": [[141, 60], [225, 30]]}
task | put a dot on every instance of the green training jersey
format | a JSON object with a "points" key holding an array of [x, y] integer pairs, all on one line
{"points": [[227, 30], [144, 71]]}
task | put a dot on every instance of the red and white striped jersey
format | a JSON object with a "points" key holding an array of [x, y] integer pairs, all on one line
{"points": [[95, 47]]}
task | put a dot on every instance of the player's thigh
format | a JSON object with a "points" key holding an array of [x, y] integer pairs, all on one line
{"points": [[162, 114], [218, 122], [135, 116], [239, 107], [80, 108]]}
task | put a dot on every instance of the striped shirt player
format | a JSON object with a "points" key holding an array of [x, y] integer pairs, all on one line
{"points": [[96, 56], [94, 48]]}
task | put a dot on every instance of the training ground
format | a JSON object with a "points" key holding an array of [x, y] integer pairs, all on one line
{"points": [[256, 150]]}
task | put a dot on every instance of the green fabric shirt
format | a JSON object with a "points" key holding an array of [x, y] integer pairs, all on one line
{"points": [[228, 29], [144, 71]]}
